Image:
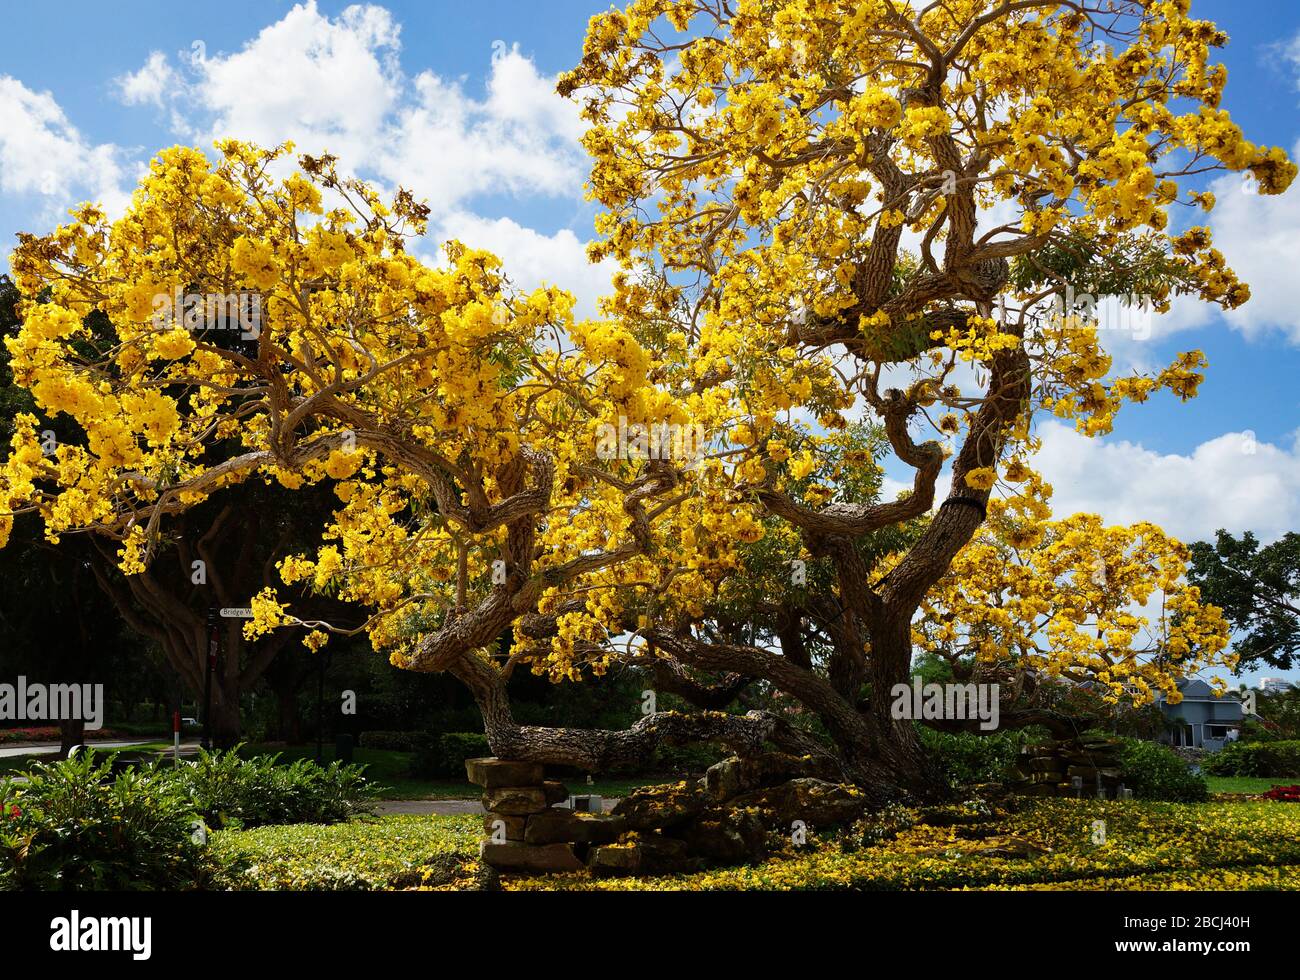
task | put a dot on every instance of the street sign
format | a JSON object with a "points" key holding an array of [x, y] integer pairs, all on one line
{"points": [[242, 612]]}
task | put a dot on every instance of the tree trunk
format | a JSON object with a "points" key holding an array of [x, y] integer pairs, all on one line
{"points": [[225, 715], [882, 757], [72, 731]]}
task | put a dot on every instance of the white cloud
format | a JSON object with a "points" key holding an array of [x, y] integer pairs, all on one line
{"points": [[1232, 482], [522, 139], [532, 259], [1260, 238], [326, 84], [336, 85], [155, 81], [42, 153]]}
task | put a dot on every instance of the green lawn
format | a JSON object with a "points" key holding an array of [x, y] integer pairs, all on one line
{"points": [[1148, 846], [1245, 784]]}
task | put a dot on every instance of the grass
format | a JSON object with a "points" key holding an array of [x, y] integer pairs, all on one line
{"points": [[364, 854], [1245, 784], [1148, 846], [391, 770]]}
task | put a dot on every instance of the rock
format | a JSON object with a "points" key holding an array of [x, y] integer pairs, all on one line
{"points": [[660, 807], [665, 855], [814, 801], [1044, 764], [565, 826], [648, 854], [615, 859], [514, 856], [515, 800], [513, 826], [727, 836], [555, 792], [1085, 772], [494, 773], [736, 775]]}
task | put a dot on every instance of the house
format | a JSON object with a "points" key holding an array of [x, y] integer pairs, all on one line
{"points": [[1201, 720]]}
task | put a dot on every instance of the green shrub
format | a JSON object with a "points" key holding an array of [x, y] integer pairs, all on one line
{"points": [[444, 756], [1154, 772], [967, 757], [227, 789], [1271, 759], [74, 826]]}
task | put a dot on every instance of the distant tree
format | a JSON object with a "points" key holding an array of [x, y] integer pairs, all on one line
{"points": [[1258, 590]]}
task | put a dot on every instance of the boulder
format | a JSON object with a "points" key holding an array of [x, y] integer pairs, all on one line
{"points": [[555, 792], [494, 773], [737, 775], [651, 854], [612, 860], [814, 801], [661, 807], [662, 855], [515, 800], [513, 826], [727, 836], [565, 826], [514, 856]]}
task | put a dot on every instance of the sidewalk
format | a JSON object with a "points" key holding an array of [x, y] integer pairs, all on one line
{"points": [[444, 808]]}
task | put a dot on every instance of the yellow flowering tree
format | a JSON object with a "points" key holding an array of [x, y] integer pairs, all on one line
{"points": [[1029, 602], [520, 489]]}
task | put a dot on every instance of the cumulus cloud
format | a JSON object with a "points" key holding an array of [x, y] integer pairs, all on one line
{"points": [[336, 85], [155, 81], [1232, 481], [1260, 236], [324, 83], [533, 259], [42, 153], [521, 139]]}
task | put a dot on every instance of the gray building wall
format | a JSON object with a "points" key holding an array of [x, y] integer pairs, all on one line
{"points": [[1203, 721]]}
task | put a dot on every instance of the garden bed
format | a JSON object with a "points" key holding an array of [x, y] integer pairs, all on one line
{"points": [[1147, 846]]}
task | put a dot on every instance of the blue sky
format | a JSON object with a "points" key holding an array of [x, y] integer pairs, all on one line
{"points": [[454, 99]]}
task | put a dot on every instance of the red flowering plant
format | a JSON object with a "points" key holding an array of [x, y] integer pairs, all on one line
{"points": [[1284, 794]]}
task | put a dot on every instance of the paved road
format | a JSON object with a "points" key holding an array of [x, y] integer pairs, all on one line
{"points": [[445, 808], [386, 808], [47, 748]]}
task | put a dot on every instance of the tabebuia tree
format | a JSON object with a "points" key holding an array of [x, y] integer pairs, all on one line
{"points": [[841, 228]]}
